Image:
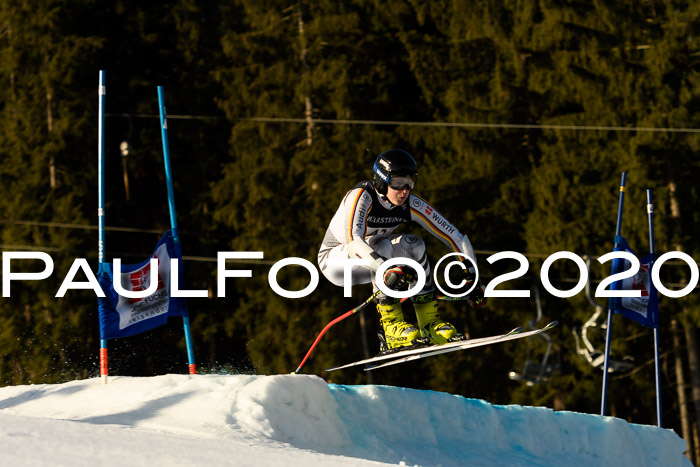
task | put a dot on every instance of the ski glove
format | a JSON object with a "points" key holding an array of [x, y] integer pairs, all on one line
{"points": [[475, 298], [399, 277]]}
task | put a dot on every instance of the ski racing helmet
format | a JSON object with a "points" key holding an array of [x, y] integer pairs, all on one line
{"points": [[393, 163]]}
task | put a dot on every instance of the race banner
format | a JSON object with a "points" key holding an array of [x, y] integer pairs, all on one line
{"points": [[121, 316], [645, 308]]}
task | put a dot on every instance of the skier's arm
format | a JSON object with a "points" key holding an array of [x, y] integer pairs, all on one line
{"points": [[432, 221], [436, 224], [360, 249], [357, 207], [466, 247]]}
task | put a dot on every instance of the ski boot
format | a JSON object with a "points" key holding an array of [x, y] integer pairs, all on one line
{"points": [[395, 333], [431, 326]]}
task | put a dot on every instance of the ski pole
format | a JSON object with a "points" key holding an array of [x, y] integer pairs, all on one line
{"points": [[329, 325]]}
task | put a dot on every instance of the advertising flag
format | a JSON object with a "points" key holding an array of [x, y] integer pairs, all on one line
{"points": [[121, 316], [645, 308]]}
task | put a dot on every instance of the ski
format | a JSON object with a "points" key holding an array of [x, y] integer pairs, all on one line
{"points": [[468, 344], [417, 351]]}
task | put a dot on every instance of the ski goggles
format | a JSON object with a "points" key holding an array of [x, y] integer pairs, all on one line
{"points": [[399, 183]]}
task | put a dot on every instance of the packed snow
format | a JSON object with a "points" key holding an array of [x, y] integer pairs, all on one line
{"points": [[248, 420]]}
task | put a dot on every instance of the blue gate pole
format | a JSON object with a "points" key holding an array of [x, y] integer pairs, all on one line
{"points": [[610, 311], [657, 371], [173, 219], [101, 92]]}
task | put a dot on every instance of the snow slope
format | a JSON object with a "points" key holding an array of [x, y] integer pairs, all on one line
{"points": [[300, 420]]}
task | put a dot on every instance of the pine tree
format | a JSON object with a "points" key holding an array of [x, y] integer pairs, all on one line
{"points": [[42, 180]]}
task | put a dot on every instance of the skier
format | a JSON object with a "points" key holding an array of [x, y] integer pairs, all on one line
{"points": [[363, 226]]}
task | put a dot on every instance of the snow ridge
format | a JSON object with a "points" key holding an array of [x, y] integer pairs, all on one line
{"points": [[302, 420]]}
